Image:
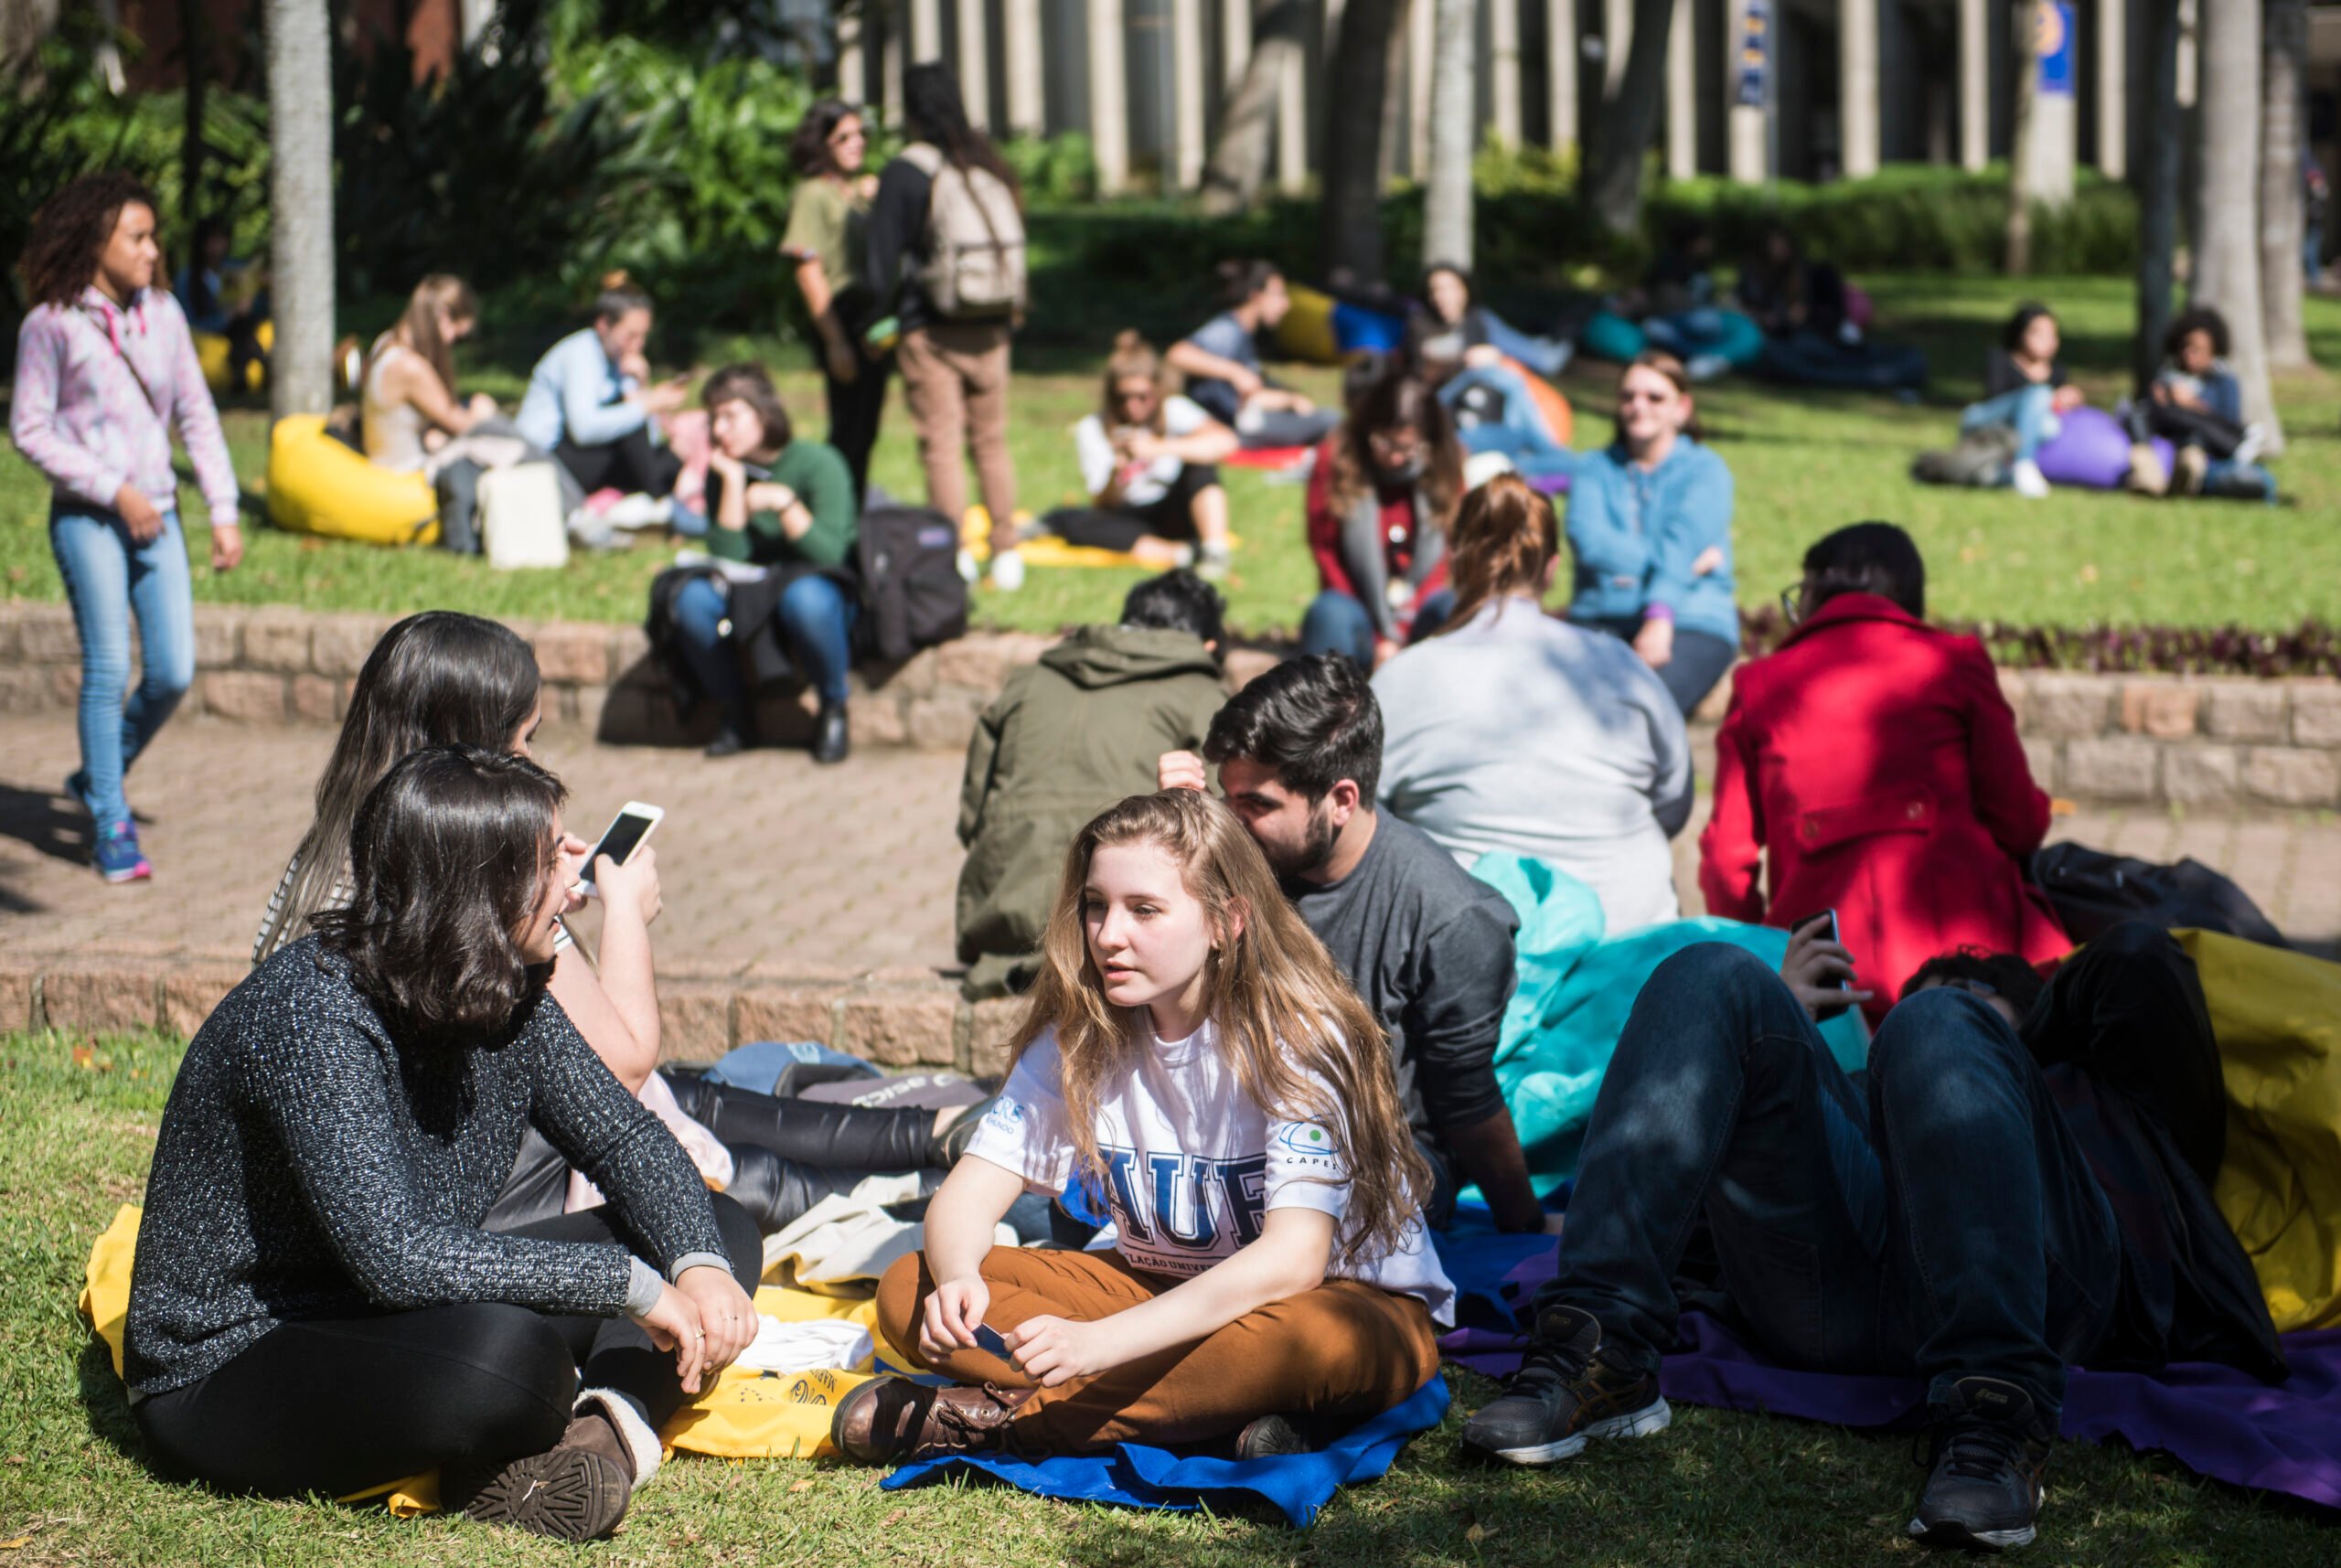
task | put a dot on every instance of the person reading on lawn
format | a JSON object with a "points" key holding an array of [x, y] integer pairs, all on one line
{"points": [[1429, 945], [590, 404], [2025, 392], [2023, 1184], [443, 677], [1650, 532], [1380, 497], [1192, 1056], [1072, 733], [1221, 360], [1149, 460], [314, 1307], [1512, 729]]}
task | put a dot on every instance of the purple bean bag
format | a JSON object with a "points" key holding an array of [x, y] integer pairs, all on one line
{"points": [[2092, 451]]}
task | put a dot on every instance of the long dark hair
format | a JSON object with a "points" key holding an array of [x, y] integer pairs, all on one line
{"points": [[1399, 399], [434, 679], [932, 111], [808, 148], [448, 858], [70, 230]]}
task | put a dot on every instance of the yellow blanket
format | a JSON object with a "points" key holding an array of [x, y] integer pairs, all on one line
{"points": [[2277, 1016], [746, 1415]]}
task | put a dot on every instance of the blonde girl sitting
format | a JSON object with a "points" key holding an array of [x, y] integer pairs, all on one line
{"points": [[1193, 1055]]}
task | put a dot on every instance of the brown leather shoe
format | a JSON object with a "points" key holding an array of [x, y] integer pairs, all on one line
{"points": [[887, 1420]]}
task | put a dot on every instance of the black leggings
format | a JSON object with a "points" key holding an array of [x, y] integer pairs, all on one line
{"points": [[1170, 515], [338, 1405], [788, 1154], [855, 409], [629, 464]]}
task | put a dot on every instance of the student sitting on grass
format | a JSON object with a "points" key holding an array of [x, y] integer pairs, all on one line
{"points": [[787, 506], [2197, 403], [1453, 325], [1192, 1054], [315, 1306], [442, 677], [1650, 532], [1149, 460], [588, 402], [1512, 729], [1071, 734], [1221, 360], [1385, 488], [2025, 391], [2024, 1184], [408, 410], [1426, 945]]}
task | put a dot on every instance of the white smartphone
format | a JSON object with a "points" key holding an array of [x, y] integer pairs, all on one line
{"points": [[622, 838]]}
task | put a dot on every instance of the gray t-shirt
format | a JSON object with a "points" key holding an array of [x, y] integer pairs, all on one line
{"points": [[1428, 946], [1224, 336]]}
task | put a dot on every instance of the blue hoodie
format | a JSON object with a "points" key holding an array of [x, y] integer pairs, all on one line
{"points": [[1635, 534]]}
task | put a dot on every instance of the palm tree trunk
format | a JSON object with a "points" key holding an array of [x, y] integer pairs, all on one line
{"points": [[2227, 247], [1239, 161], [2281, 281], [1351, 243], [1614, 177], [1454, 95], [2158, 189], [300, 204]]}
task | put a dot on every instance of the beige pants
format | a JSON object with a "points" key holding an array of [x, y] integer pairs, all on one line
{"points": [[955, 379], [1344, 1349]]}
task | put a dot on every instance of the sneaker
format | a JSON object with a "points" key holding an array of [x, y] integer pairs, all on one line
{"points": [[2029, 482], [889, 1420], [2248, 450], [1007, 571], [2188, 469], [1273, 1437], [968, 570], [2147, 475], [639, 511], [1565, 1393], [1214, 561], [569, 1493], [1990, 1451], [117, 856]]}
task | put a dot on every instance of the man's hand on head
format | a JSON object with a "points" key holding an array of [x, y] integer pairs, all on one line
{"points": [[1182, 770]]}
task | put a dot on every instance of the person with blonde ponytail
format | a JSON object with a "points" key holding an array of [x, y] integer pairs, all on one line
{"points": [[411, 421], [1193, 1057], [1513, 729], [1149, 460]]}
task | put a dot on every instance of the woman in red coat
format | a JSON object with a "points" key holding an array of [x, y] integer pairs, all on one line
{"points": [[1874, 765]]}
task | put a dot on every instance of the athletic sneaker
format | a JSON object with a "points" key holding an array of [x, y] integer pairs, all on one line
{"points": [[116, 854], [1007, 571], [1565, 1393], [2248, 450], [1990, 1451], [2029, 482], [1213, 563]]}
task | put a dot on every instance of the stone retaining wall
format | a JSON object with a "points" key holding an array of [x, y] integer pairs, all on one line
{"points": [[2098, 740]]}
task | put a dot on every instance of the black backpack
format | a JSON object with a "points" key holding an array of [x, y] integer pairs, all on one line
{"points": [[2093, 891], [912, 592]]}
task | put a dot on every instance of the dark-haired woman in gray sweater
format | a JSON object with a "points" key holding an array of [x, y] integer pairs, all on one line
{"points": [[314, 1307]]}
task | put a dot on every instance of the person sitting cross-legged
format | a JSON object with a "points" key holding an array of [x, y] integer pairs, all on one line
{"points": [[1149, 460], [2023, 1184]]}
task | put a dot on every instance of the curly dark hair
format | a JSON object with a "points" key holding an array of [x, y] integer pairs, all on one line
{"points": [[71, 229], [808, 148], [2004, 972], [2202, 318]]}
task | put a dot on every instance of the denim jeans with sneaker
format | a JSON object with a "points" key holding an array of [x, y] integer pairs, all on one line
{"points": [[110, 578], [2030, 411], [816, 625], [1944, 1225]]}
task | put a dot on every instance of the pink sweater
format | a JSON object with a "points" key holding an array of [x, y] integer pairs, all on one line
{"points": [[81, 418]]}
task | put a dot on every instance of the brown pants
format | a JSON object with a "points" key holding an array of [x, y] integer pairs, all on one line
{"points": [[955, 378], [1345, 1349]]}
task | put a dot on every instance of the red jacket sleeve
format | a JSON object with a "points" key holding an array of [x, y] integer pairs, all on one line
{"points": [[1731, 848], [2012, 809], [1324, 528]]}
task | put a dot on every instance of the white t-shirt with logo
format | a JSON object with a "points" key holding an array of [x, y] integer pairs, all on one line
{"points": [[1094, 447], [1192, 1165]]}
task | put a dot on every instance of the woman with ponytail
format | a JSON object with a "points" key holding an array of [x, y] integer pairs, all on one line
{"points": [[1512, 729], [1149, 460]]}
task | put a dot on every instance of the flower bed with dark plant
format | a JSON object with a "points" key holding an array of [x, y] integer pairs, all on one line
{"points": [[2312, 649]]}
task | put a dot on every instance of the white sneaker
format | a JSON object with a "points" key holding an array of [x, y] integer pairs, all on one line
{"points": [[2029, 482], [1007, 571], [2255, 436], [968, 570], [639, 511]]}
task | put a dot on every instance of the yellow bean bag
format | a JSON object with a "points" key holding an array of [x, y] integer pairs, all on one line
{"points": [[1306, 333], [318, 486], [2277, 1016], [212, 352]]}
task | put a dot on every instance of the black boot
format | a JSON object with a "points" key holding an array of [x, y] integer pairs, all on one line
{"points": [[829, 740], [737, 733]]}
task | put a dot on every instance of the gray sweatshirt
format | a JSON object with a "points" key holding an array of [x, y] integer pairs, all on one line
{"points": [[1521, 732]]}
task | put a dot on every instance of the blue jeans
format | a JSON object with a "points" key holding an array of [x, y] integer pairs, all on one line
{"points": [[1337, 624], [1946, 1224], [110, 579], [2030, 410], [816, 620], [1701, 658]]}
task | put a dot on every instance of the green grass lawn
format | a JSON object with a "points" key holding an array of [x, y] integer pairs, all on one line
{"points": [[76, 1141], [1803, 461]]}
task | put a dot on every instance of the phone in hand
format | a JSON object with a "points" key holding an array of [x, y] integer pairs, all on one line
{"points": [[1827, 921], [988, 1339], [625, 835]]}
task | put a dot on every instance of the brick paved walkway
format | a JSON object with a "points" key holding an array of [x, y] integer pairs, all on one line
{"points": [[766, 859]]}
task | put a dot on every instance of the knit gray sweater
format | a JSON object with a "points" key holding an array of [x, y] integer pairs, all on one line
{"points": [[307, 1168]]}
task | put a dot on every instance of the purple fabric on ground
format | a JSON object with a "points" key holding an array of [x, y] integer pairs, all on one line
{"points": [[2214, 1420]]}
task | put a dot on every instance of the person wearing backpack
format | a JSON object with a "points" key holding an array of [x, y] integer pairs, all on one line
{"points": [[946, 243]]}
